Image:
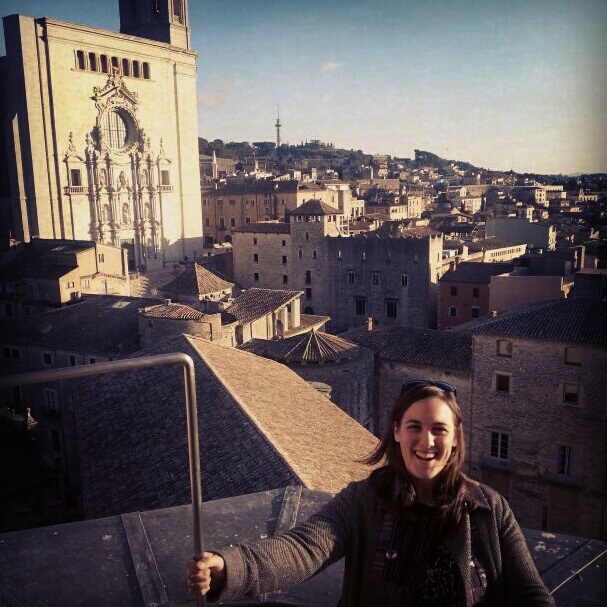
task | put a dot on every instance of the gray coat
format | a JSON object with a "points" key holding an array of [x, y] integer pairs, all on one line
{"points": [[349, 525]]}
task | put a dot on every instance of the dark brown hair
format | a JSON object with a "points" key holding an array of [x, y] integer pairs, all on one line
{"points": [[451, 485]]}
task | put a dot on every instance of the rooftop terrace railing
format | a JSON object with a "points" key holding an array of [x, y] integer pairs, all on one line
{"points": [[145, 362]]}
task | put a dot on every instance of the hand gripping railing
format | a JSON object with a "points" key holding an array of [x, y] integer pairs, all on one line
{"points": [[145, 362]]}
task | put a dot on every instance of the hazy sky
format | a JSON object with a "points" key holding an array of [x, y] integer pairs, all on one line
{"points": [[519, 84]]}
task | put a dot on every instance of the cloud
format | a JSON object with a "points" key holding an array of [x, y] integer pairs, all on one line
{"points": [[208, 99], [329, 66]]}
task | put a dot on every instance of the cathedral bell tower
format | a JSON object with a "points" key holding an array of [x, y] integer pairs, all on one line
{"points": [[161, 20]]}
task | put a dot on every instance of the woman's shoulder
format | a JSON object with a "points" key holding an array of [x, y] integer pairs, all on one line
{"points": [[480, 495]]}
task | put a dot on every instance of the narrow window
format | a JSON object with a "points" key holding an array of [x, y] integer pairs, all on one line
{"points": [[475, 311], [126, 67], [502, 382], [453, 311], [165, 177], [499, 445], [80, 61], [285, 279], [284, 243], [92, 62], [300, 253], [392, 308], [284, 259], [146, 70], [136, 69], [254, 241], [564, 464], [454, 291], [404, 280], [573, 356], [104, 64], [222, 223], [75, 177], [360, 306], [255, 258], [375, 278], [232, 222], [504, 347], [51, 403], [115, 65], [72, 360], [308, 277], [256, 277], [47, 359], [308, 293], [351, 276], [476, 292], [571, 394]]}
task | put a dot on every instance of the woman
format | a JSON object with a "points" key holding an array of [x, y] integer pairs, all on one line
{"points": [[416, 532]]}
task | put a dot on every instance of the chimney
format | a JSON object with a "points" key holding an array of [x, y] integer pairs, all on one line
{"points": [[370, 323]]}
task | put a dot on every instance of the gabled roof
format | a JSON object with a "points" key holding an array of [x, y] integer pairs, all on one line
{"points": [[476, 272], [257, 303], [106, 325], [311, 347], [197, 280], [573, 320], [315, 207], [132, 435], [428, 347]]}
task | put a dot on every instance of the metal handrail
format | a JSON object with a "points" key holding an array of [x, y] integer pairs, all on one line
{"points": [[145, 362]]}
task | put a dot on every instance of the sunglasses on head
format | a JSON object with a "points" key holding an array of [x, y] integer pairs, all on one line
{"points": [[426, 382]]}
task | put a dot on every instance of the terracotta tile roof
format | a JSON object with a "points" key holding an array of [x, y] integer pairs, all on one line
{"points": [[311, 347], [315, 207], [197, 280], [133, 442], [491, 243], [445, 349], [106, 325], [476, 272], [256, 303], [265, 227], [173, 310], [574, 320]]}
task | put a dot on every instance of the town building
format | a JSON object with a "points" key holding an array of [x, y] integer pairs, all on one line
{"points": [[45, 273], [536, 235], [86, 156]]}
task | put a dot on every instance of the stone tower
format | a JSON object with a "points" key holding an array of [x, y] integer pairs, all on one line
{"points": [[161, 20]]}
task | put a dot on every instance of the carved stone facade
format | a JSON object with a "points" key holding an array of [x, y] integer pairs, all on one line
{"points": [[102, 139]]}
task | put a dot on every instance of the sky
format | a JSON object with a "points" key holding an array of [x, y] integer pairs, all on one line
{"points": [[516, 85]]}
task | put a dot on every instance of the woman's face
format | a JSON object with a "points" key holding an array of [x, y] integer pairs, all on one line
{"points": [[426, 435]]}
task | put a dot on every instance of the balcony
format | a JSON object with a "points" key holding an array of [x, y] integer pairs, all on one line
{"points": [[74, 189]]}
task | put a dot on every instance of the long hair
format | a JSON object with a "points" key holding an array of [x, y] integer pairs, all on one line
{"points": [[449, 490]]}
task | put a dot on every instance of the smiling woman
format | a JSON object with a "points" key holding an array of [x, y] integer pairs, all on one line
{"points": [[417, 531]]}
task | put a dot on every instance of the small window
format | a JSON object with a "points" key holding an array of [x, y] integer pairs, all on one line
{"points": [[475, 312], [351, 276], [75, 177], [104, 64], [285, 279], [51, 402], [92, 62], [504, 347], [86, 283], [284, 259], [47, 359], [207, 222], [375, 278], [404, 280], [564, 460], [308, 277], [222, 223], [453, 291], [392, 308], [136, 69], [254, 241], [101, 258], [360, 306], [502, 382], [476, 292], [573, 356], [284, 243], [70, 284], [126, 67], [255, 258], [232, 222], [256, 277], [453, 311], [115, 65], [146, 70], [300, 254], [499, 445], [308, 293], [571, 394], [314, 254], [72, 360], [165, 177], [80, 61]]}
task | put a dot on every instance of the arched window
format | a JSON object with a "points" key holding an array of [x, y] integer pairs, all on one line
{"points": [[114, 129]]}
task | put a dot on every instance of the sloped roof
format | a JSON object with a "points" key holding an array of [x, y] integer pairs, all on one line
{"points": [[476, 272], [315, 207], [106, 325], [197, 280], [133, 441], [173, 310], [429, 347], [492, 242], [311, 347], [573, 319], [257, 303]]}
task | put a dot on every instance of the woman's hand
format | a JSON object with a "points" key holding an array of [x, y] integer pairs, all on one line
{"points": [[206, 573]]}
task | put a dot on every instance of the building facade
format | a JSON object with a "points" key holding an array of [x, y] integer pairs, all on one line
{"points": [[87, 157]]}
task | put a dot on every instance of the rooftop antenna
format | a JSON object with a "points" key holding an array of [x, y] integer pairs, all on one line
{"points": [[278, 125]]}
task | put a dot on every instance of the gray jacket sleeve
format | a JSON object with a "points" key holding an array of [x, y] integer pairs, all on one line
{"points": [[288, 559]]}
